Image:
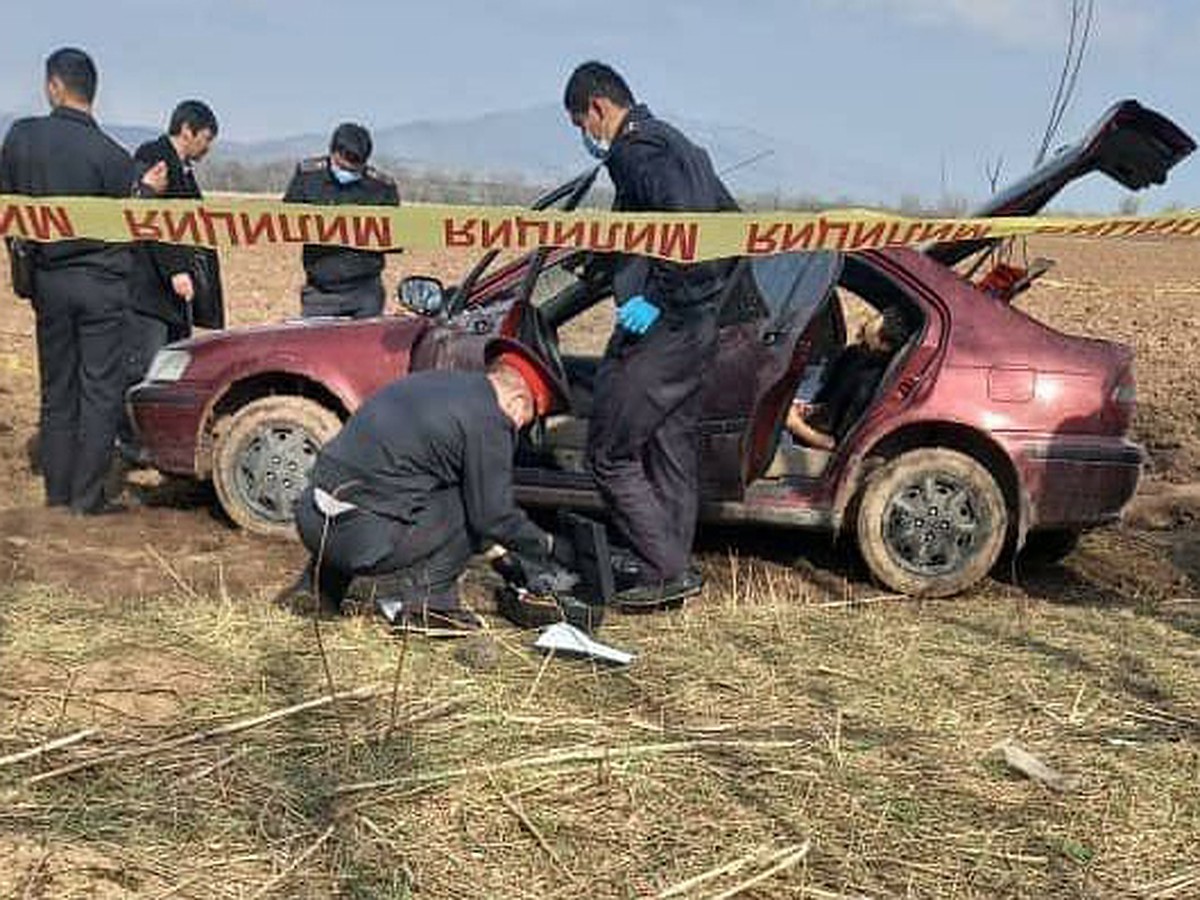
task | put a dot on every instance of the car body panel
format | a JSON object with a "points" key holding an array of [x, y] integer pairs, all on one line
{"points": [[346, 361]]}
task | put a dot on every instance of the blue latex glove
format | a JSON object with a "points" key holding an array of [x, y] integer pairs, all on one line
{"points": [[637, 314]]}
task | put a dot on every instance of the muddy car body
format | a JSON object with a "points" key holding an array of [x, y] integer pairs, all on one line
{"points": [[987, 430]]}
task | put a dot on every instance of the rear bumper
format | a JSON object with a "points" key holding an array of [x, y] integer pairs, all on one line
{"points": [[1077, 482], [167, 418]]}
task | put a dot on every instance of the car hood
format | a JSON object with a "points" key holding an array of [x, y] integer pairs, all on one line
{"points": [[305, 331]]}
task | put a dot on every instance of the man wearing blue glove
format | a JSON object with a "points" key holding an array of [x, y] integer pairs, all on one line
{"points": [[643, 446]]}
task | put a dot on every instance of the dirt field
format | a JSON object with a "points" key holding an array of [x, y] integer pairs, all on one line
{"points": [[792, 724]]}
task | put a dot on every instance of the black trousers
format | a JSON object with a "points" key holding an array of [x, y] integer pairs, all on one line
{"points": [[643, 440], [360, 301], [145, 335], [81, 320], [427, 555]]}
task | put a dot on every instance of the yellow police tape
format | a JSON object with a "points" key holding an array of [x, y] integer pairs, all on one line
{"points": [[682, 237]]}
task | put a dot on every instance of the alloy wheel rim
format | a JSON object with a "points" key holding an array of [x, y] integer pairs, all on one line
{"points": [[934, 524], [272, 469]]}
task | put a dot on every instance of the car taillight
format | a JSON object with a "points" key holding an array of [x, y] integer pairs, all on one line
{"points": [[1122, 401]]}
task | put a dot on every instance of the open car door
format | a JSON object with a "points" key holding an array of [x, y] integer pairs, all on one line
{"points": [[774, 311]]}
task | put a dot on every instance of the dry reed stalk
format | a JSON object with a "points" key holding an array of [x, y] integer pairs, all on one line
{"points": [[217, 766], [294, 865], [793, 856], [329, 683], [528, 825], [402, 656], [529, 695], [171, 573], [571, 756], [729, 868], [861, 601], [48, 747], [208, 734], [1183, 884]]}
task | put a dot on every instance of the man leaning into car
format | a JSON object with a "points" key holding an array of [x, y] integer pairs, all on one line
{"points": [[342, 281], [643, 444]]}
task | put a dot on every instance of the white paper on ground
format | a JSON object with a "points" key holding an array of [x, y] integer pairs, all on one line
{"points": [[388, 608], [564, 638]]}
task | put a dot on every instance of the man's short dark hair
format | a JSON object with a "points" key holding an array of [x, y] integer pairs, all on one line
{"points": [[352, 141], [75, 70], [196, 115], [591, 80]]}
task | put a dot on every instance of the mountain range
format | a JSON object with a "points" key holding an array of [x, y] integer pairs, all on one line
{"points": [[537, 144]]}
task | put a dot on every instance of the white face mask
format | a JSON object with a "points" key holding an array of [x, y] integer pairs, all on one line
{"points": [[596, 148], [344, 176]]}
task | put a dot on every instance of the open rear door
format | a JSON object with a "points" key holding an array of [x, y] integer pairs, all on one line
{"points": [[1131, 144], [769, 310]]}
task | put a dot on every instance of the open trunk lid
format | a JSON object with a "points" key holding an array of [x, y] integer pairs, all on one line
{"points": [[1132, 144]]}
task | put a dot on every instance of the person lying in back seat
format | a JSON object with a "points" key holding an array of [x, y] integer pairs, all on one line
{"points": [[851, 383]]}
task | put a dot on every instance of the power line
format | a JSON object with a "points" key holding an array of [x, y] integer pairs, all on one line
{"points": [[1083, 14]]}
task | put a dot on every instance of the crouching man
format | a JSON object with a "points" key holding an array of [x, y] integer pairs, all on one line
{"points": [[419, 479]]}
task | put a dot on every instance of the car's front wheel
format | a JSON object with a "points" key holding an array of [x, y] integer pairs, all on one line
{"points": [[931, 523], [262, 455]]}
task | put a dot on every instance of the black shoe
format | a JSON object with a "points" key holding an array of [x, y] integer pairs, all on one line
{"points": [[302, 599], [628, 569], [652, 595], [133, 455]]}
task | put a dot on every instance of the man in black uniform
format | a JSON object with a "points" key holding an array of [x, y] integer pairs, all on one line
{"points": [[164, 284], [81, 289], [419, 479], [643, 444], [342, 281]]}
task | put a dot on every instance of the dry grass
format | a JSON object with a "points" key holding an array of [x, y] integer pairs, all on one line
{"points": [[770, 714]]}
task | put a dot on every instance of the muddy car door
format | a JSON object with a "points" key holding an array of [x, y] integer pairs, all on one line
{"points": [[773, 312]]}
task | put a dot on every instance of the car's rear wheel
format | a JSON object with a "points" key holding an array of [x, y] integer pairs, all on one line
{"points": [[931, 523], [262, 456]]}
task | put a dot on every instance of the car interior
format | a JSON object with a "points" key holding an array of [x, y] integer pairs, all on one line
{"points": [[862, 292], [569, 317]]}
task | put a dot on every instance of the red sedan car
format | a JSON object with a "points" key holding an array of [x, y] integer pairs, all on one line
{"points": [[986, 429]]}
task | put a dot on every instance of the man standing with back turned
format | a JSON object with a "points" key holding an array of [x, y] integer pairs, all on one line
{"points": [[643, 445], [342, 281], [80, 287]]}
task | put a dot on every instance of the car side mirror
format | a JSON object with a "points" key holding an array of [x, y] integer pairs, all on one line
{"points": [[423, 295]]}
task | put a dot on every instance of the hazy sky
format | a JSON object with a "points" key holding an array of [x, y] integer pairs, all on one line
{"points": [[948, 84]]}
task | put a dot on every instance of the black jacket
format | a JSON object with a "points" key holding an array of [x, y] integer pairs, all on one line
{"points": [[848, 389], [654, 168], [338, 269], [66, 154], [430, 432], [156, 263]]}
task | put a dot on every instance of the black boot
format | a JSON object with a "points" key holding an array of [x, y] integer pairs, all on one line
{"points": [[305, 597]]}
